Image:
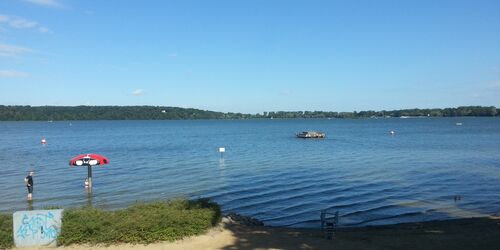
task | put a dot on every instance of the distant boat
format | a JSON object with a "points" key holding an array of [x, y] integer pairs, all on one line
{"points": [[311, 134], [458, 124]]}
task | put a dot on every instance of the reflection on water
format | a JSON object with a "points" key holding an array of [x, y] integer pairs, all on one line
{"points": [[366, 173], [29, 206], [88, 194]]}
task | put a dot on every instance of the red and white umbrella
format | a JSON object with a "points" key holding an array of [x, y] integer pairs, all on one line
{"points": [[89, 160]]}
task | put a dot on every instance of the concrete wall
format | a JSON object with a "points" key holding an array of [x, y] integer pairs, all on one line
{"points": [[37, 227]]}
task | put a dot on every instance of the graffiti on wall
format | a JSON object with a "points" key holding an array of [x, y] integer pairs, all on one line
{"points": [[36, 227]]}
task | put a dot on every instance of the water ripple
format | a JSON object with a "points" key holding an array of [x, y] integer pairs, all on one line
{"points": [[368, 176]]}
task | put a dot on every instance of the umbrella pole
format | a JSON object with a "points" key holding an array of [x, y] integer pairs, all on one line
{"points": [[89, 173]]}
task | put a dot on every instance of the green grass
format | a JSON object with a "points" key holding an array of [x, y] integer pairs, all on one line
{"points": [[6, 240], [138, 224], [141, 223]]}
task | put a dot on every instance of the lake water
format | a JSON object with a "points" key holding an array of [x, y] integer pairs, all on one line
{"points": [[362, 171]]}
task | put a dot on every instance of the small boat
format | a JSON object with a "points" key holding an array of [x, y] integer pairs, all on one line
{"points": [[311, 134], [458, 124]]}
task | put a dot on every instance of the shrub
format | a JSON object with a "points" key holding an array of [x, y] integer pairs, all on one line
{"points": [[140, 223], [6, 240]]}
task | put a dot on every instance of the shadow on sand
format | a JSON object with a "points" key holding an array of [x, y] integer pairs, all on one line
{"points": [[262, 237], [476, 233]]}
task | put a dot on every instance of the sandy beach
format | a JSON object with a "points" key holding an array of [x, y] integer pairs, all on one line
{"points": [[474, 233]]}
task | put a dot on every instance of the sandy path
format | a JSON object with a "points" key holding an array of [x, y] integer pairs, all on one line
{"points": [[216, 238], [229, 236]]}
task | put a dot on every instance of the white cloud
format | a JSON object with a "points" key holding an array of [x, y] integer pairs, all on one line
{"points": [[138, 92], [12, 51], [12, 73], [43, 30], [47, 3], [21, 23]]}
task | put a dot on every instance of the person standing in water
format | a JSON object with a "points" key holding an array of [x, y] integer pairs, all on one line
{"points": [[29, 184]]}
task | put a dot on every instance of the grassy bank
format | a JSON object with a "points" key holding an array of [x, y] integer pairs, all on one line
{"points": [[6, 240], [90, 226], [140, 223]]}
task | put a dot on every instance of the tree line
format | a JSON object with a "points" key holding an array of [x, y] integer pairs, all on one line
{"points": [[435, 112], [54, 113]]}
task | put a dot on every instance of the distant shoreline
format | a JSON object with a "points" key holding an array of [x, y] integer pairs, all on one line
{"points": [[92, 113]]}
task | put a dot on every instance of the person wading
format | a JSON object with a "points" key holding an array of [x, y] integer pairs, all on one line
{"points": [[29, 184]]}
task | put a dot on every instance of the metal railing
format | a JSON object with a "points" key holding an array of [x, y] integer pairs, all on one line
{"points": [[329, 223]]}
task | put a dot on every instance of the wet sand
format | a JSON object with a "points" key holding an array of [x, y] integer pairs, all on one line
{"points": [[474, 233]]}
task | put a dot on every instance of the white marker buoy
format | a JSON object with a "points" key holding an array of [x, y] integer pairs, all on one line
{"points": [[392, 132], [43, 141], [221, 151]]}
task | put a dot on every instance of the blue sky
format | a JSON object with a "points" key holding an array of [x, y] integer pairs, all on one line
{"points": [[251, 56]]}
